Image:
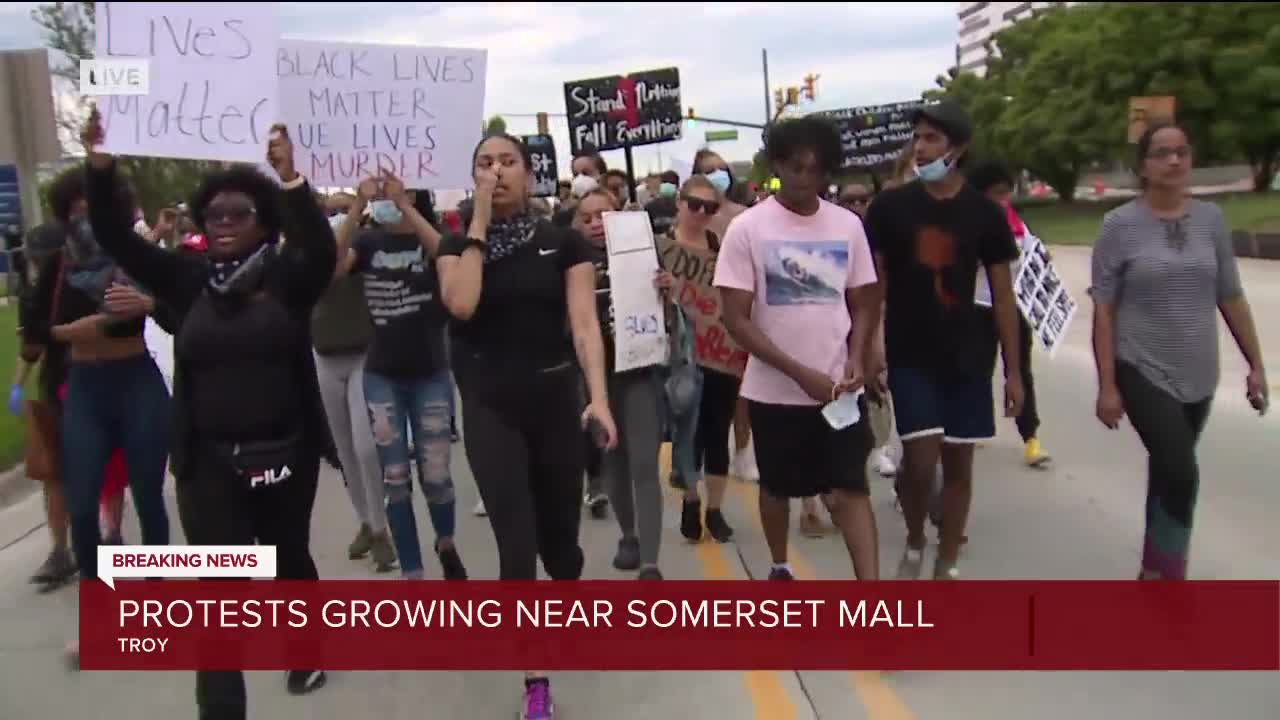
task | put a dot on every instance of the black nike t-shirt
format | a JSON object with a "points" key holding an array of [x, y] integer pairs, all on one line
{"points": [[931, 250], [402, 294], [521, 324]]}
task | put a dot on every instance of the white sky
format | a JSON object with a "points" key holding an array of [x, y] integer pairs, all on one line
{"points": [[866, 53]]}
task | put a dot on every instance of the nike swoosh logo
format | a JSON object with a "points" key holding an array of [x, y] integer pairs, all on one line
{"points": [[545, 253]]}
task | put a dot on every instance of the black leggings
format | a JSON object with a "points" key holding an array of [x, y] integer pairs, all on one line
{"points": [[217, 508], [1029, 418], [524, 444], [715, 416], [1170, 429]]}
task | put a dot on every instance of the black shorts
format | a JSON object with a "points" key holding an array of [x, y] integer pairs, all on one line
{"points": [[799, 455]]}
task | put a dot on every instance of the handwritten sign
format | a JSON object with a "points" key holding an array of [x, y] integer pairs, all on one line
{"points": [[615, 111], [208, 100], [873, 135], [542, 151], [640, 333], [356, 110], [694, 270]]}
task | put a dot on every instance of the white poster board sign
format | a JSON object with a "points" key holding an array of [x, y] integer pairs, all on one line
{"points": [[355, 110], [1042, 297], [211, 65], [640, 333], [160, 345]]}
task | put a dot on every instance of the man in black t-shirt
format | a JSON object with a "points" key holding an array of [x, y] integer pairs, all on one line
{"points": [[929, 238]]}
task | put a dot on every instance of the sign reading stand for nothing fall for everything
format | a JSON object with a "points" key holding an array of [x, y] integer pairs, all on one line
{"points": [[211, 67], [356, 110], [612, 112]]}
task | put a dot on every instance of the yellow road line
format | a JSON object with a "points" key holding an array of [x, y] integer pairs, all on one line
{"points": [[765, 688], [879, 699]]}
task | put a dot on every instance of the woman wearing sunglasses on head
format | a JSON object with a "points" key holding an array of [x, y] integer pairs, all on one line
{"points": [[708, 450], [521, 292], [249, 429]]}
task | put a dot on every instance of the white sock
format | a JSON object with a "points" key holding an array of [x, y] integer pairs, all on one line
{"points": [[783, 566]]}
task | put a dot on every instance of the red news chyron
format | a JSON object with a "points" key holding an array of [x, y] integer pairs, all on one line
{"points": [[150, 560], [474, 625]]}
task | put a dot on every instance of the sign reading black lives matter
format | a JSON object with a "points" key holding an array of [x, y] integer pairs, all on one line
{"points": [[542, 151], [873, 135], [612, 112]]}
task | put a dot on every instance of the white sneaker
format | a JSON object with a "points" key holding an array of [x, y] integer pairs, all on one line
{"points": [[884, 464], [744, 465], [479, 510]]}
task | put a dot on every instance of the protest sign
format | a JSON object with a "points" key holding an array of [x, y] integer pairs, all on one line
{"points": [[874, 135], [640, 333], [612, 112], [357, 110], [1041, 295], [694, 270], [542, 151], [209, 64]]}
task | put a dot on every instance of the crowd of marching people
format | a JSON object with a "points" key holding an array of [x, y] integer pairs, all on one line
{"points": [[357, 330]]}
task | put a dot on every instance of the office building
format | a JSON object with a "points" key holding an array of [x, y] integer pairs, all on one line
{"points": [[980, 20]]}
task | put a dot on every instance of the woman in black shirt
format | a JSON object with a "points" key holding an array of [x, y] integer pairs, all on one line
{"points": [[518, 288], [249, 430]]}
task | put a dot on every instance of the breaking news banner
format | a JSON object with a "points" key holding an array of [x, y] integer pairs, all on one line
{"points": [[227, 624]]}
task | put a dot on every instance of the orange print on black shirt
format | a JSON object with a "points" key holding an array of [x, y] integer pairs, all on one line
{"points": [[936, 250]]}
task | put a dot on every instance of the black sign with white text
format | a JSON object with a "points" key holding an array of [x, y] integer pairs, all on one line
{"points": [[873, 135], [542, 151], [612, 112]]}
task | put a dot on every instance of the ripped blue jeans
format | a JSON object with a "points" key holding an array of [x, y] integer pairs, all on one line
{"points": [[422, 406]]}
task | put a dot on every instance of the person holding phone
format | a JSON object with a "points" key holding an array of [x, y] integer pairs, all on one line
{"points": [[513, 285], [246, 399]]}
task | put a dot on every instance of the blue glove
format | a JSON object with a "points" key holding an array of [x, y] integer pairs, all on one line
{"points": [[15, 400]]}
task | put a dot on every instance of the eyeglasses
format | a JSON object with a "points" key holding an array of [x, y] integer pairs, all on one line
{"points": [[1165, 153], [709, 207], [233, 214], [854, 200]]}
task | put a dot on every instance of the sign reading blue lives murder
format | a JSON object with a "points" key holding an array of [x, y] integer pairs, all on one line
{"points": [[612, 112], [873, 135], [542, 151]]}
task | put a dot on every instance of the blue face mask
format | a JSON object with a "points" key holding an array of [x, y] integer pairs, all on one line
{"points": [[934, 171], [385, 212], [667, 190], [720, 179]]}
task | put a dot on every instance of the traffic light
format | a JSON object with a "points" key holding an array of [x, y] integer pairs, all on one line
{"points": [[692, 115], [692, 120], [810, 91], [793, 96]]}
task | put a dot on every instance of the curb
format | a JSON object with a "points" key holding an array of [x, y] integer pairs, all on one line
{"points": [[15, 486]]}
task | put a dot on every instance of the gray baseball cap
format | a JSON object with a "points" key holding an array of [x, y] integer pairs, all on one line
{"points": [[948, 117]]}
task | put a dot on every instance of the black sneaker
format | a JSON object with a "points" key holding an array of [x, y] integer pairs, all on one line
{"points": [[301, 682], [628, 557], [599, 505], [781, 574], [650, 573], [451, 561], [717, 526], [691, 520], [58, 565], [384, 553]]}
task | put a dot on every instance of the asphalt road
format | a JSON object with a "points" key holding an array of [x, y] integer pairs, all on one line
{"points": [[1081, 519]]}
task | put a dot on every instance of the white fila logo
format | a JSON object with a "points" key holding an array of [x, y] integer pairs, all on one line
{"points": [[271, 477]]}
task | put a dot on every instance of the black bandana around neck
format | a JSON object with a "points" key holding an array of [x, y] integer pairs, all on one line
{"points": [[508, 235], [235, 277]]}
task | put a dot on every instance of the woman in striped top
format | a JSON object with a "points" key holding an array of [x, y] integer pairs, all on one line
{"points": [[1163, 268]]}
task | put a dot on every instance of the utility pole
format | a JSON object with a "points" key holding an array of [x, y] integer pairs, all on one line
{"points": [[768, 109]]}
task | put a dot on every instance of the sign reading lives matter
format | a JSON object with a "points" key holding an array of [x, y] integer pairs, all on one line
{"points": [[873, 135], [694, 270], [355, 110], [612, 112], [206, 98], [542, 150]]}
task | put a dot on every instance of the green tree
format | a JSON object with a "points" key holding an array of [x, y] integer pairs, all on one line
{"points": [[68, 30], [497, 125], [760, 170]]}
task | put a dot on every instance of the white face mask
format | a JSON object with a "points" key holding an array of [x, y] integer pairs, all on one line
{"points": [[843, 411], [583, 184], [934, 171]]}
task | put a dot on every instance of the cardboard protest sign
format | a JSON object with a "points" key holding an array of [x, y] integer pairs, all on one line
{"points": [[640, 333], [873, 135], [1041, 295], [210, 67], [695, 270], [613, 112], [356, 110], [542, 150]]}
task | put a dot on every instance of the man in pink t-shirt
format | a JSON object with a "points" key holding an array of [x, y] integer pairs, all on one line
{"points": [[799, 293]]}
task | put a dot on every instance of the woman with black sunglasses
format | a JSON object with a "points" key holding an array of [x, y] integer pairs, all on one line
{"points": [[699, 203], [250, 429]]}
